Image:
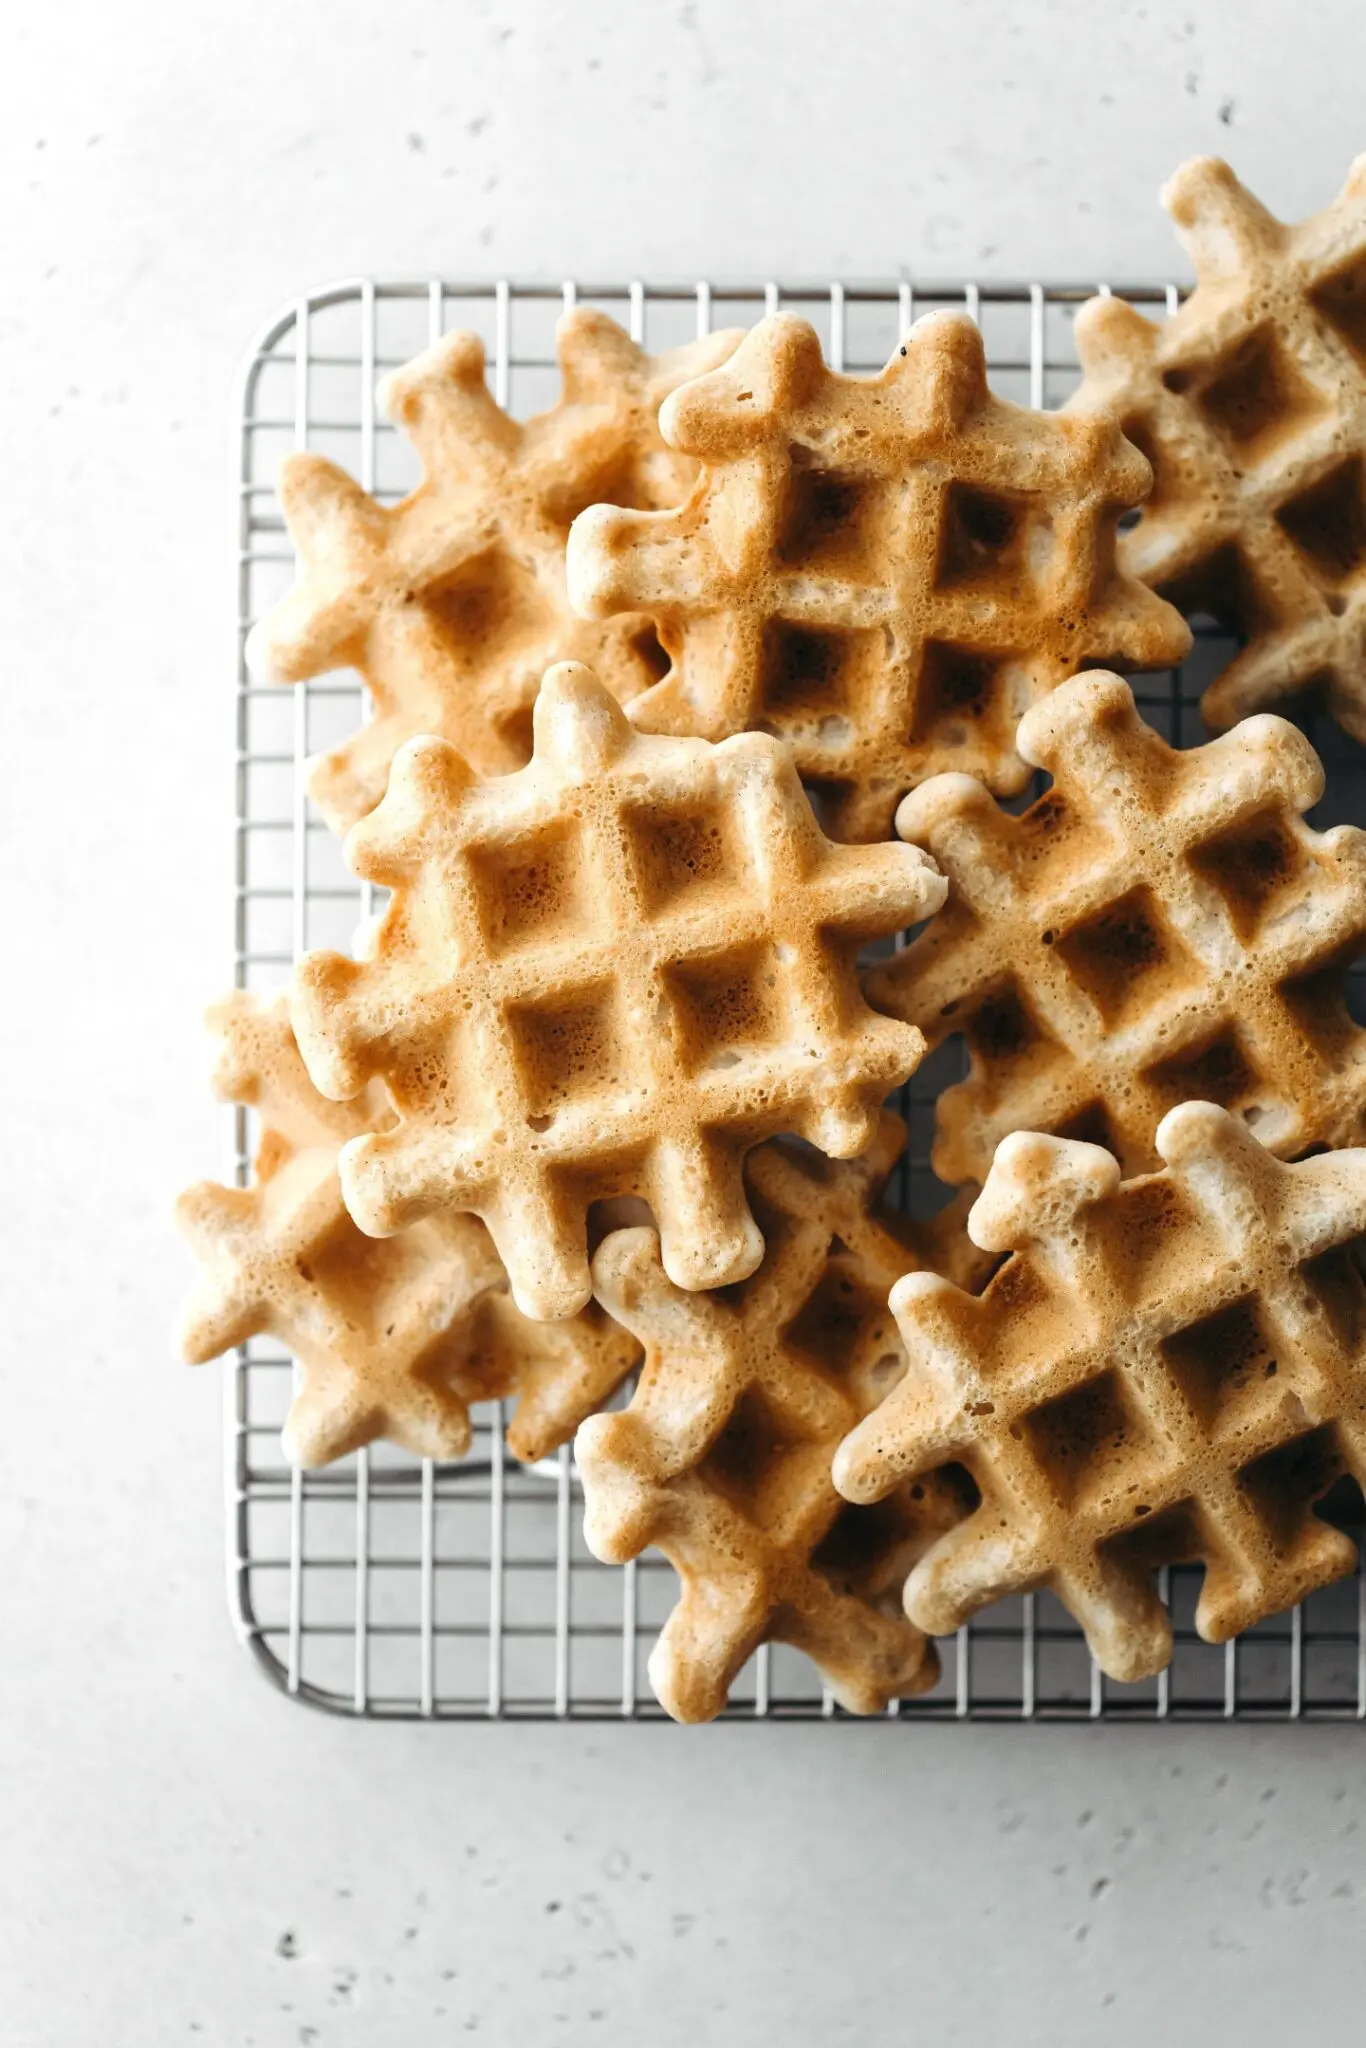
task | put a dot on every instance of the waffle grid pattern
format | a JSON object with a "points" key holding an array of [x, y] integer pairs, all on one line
{"points": [[452, 605], [1107, 959], [1149, 1348], [626, 964], [1259, 438], [727, 1468], [391, 1587], [887, 574]]}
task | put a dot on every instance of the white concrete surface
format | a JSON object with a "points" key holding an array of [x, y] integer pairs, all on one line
{"points": [[170, 171]]}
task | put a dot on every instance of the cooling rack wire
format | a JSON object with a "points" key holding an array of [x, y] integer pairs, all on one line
{"points": [[389, 1586]]}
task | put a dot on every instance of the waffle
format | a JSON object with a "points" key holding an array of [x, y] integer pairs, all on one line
{"points": [[452, 604], [612, 973], [1251, 405], [722, 1459], [609, 973], [393, 1339], [1169, 1368], [885, 571], [1160, 926]]}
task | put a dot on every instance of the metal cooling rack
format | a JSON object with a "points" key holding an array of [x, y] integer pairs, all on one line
{"points": [[388, 1586]]}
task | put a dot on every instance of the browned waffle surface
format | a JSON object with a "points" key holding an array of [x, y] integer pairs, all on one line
{"points": [[1159, 926], [612, 973], [1251, 405], [452, 603], [722, 1459], [1169, 1367], [394, 1338], [885, 571]]}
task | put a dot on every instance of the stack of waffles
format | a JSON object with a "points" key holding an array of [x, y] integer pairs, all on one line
{"points": [[692, 696]]}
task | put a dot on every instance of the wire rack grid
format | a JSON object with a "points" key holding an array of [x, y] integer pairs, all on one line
{"points": [[389, 1586]]}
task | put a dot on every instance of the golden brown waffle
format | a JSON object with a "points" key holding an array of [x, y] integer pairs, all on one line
{"points": [[452, 604], [885, 571], [1160, 926], [393, 1339], [612, 973], [722, 1459], [1172, 1368], [1250, 404]]}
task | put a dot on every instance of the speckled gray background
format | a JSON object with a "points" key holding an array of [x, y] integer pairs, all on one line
{"points": [[183, 1856]]}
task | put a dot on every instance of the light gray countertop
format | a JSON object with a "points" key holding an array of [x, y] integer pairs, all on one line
{"points": [[185, 1856]]}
